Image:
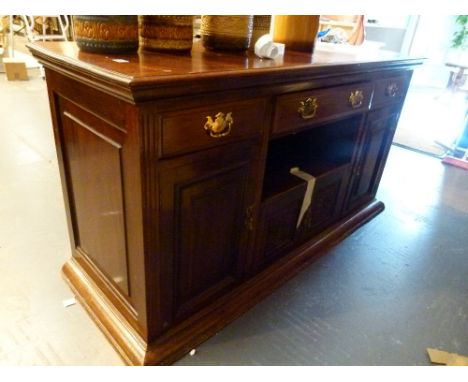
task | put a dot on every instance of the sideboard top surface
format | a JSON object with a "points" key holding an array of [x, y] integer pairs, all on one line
{"points": [[134, 74]]}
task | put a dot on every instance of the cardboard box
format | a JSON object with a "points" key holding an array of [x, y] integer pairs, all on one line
{"points": [[15, 69], [445, 358]]}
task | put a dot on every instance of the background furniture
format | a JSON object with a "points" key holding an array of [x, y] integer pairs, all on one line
{"points": [[457, 76], [47, 28], [175, 170]]}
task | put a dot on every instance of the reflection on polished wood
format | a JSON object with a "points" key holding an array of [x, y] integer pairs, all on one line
{"points": [[153, 75]]}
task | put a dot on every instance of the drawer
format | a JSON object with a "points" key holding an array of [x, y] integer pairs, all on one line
{"points": [[210, 125], [391, 89], [296, 110]]}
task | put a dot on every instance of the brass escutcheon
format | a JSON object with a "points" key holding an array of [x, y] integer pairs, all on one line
{"points": [[308, 108], [221, 126], [356, 99], [392, 90]]}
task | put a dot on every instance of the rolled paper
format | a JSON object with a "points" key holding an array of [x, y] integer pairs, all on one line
{"points": [[265, 48]]}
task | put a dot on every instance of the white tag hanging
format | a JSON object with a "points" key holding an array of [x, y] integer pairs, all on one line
{"points": [[309, 191]]}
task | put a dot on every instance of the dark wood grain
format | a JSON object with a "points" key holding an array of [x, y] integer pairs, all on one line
{"points": [[175, 233], [277, 225], [327, 201], [331, 103], [96, 181], [391, 90], [183, 131], [146, 76], [379, 129], [205, 198], [100, 146]]}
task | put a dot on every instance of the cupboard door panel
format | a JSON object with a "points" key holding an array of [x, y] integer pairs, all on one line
{"points": [[203, 230], [208, 224], [277, 225], [327, 202], [378, 134]]}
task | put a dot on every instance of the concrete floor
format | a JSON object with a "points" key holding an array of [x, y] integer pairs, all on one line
{"points": [[393, 288]]}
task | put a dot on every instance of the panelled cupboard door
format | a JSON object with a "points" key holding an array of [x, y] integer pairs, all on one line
{"points": [[378, 134], [205, 224], [327, 203], [276, 232]]}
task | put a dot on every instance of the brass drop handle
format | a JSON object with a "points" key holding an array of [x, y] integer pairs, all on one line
{"points": [[356, 99], [308, 108], [221, 126], [391, 90]]}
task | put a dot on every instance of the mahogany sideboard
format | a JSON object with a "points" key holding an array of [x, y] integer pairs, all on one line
{"points": [[175, 170]]}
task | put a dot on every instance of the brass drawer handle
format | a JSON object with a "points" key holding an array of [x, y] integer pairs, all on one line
{"points": [[221, 126], [391, 90], [308, 108], [356, 99]]}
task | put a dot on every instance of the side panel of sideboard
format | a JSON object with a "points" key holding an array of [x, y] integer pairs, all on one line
{"points": [[97, 140]]}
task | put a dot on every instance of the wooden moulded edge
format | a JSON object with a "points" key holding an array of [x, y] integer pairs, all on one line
{"points": [[136, 88], [180, 339], [119, 332]]}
